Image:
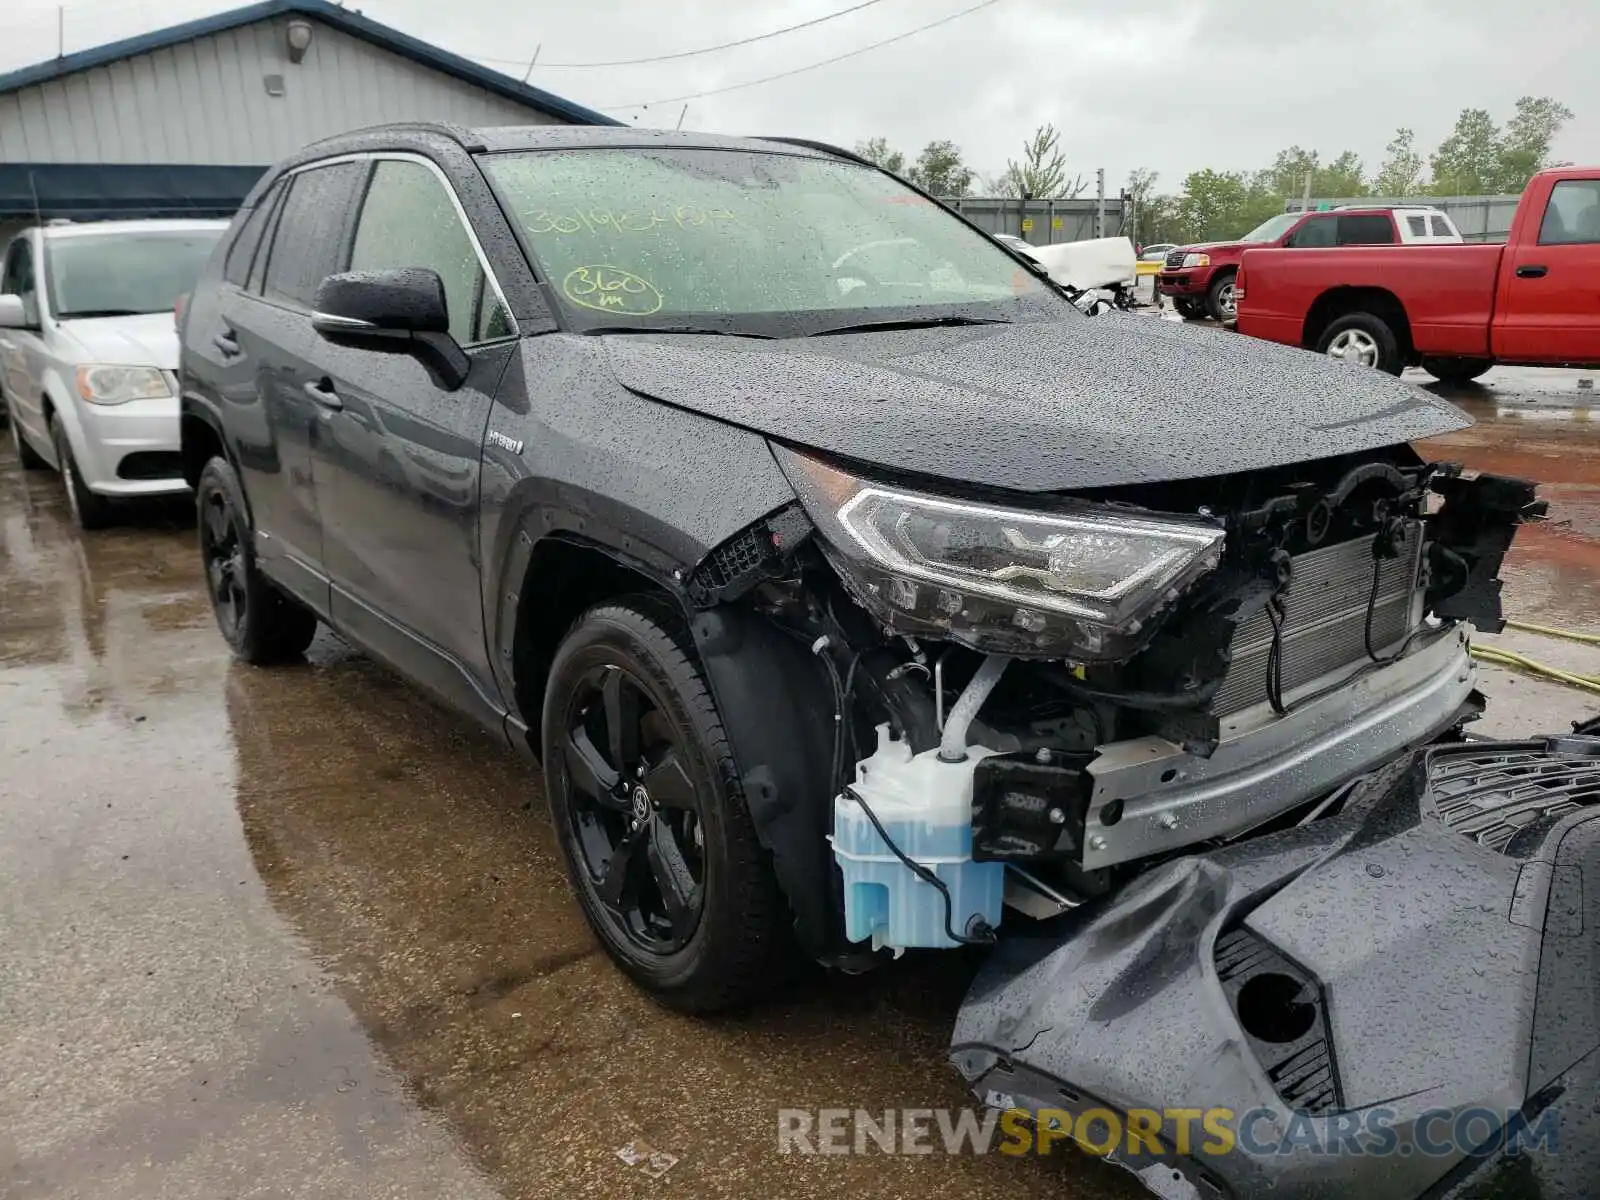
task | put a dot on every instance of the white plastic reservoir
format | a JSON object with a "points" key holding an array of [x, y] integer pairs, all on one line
{"points": [[925, 804]]}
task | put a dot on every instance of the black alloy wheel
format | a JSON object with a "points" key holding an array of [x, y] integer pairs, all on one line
{"points": [[260, 623], [222, 552], [649, 816], [634, 812]]}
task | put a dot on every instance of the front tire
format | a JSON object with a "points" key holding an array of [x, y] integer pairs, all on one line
{"points": [[90, 510], [658, 843], [259, 623], [1219, 299], [1456, 370], [1362, 338]]}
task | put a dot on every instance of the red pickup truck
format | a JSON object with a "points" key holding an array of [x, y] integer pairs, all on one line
{"points": [[1199, 279], [1456, 310]]}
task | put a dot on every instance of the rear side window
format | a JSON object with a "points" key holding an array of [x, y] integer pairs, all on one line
{"points": [[243, 250], [1573, 216], [1318, 231], [309, 239], [1371, 229], [1441, 227], [1418, 226]]}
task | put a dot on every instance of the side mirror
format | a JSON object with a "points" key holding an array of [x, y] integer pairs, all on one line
{"points": [[395, 312], [12, 313]]}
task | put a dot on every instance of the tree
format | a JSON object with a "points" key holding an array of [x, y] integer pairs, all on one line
{"points": [[940, 171], [1223, 204], [1286, 177], [1525, 145], [886, 156], [1155, 218], [1401, 173], [1042, 173], [1467, 163]]}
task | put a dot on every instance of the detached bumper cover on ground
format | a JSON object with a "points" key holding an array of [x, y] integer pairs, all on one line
{"points": [[1374, 1004]]}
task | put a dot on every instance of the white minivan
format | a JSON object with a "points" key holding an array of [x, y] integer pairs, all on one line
{"points": [[89, 353]]}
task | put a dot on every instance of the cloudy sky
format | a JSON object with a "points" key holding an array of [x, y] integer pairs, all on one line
{"points": [[1169, 84]]}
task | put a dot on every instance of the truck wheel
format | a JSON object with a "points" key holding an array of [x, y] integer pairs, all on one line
{"points": [[1219, 299], [1456, 370], [1362, 338], [259, 622], [90, 510], [658, 844]]}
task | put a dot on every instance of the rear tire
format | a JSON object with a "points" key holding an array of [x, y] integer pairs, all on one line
{"points": [[259, 623], [1363, 338], [90, 510], [658, 843], [1456, 370], [30, 458]]}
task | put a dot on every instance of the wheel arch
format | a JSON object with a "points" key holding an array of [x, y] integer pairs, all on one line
{"points": [[1342, 301], [771, 694]]}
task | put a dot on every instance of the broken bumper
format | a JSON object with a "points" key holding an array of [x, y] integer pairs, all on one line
{"points": [[1394, 1002], [1152, 797]]}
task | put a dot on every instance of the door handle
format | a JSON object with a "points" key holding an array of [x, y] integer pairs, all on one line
{"points": [[227, 344], [1532, 271], [323, 394]]}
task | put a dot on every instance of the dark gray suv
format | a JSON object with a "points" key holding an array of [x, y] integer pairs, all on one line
{"points": [[851, 586]]}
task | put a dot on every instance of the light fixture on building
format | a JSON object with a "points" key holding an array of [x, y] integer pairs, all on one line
{"points": [[299, 39]]}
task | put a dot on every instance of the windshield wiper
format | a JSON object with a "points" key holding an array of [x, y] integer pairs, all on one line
{"points": [[106, 312], [598, 329], [910, 323]]}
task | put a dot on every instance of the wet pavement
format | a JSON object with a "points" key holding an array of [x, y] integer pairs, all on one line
{"points": [[297, 932]]}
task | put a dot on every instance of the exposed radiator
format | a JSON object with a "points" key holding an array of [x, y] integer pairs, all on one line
{"points": [[1326, 612]]}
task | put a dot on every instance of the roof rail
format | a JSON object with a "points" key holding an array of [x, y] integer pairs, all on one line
{"points": [[825, 148]]}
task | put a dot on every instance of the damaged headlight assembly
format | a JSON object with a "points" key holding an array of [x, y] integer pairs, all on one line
{"points": [[1077, 580]]}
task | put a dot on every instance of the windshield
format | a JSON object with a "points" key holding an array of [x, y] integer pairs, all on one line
{"points": [[706, 237], [121, 274], [1271, 231]]}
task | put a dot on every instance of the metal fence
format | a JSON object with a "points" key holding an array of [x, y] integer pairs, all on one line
{"points": [[1042, 222], [1480, 218]]}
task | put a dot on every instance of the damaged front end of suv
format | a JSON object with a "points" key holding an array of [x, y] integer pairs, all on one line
{"points": [[1028, 700]]}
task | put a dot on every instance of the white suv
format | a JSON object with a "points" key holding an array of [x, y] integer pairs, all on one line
{"points": [[89, 353]]}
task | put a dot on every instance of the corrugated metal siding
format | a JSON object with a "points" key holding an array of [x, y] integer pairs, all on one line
{"points": [[1053, 220], [206, 101]]}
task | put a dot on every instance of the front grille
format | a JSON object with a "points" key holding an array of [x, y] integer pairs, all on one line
{"points": [[1175, 259], [151, 464], [1491, 795], [1325, 619]]}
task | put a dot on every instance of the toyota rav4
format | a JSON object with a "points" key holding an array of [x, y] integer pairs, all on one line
{"points": [[853, 589]]}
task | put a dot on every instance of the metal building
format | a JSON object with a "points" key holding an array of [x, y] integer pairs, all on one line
{"points": [[180, 122]]}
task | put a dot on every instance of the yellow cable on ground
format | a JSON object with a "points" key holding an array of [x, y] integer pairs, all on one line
{"points": [[1570, 635], [1521, 662]]}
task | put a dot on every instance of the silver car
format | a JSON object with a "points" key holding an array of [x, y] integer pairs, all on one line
{"points": [[89, 353]]}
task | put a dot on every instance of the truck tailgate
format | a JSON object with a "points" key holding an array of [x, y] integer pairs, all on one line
{"points": [[1447, 292]]}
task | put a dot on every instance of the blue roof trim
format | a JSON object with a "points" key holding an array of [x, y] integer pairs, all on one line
{"points": [[320, 10]]}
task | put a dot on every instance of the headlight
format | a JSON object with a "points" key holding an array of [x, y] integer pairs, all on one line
{"points": [[1078, 581], [1197, 260], [118, 385]]}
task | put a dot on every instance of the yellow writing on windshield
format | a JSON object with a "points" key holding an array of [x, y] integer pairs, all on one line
{"points": [[611, 290], [596, 220]]}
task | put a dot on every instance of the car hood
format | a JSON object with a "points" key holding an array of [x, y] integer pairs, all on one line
{"points": [[1039, 406], [147, 340]]}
